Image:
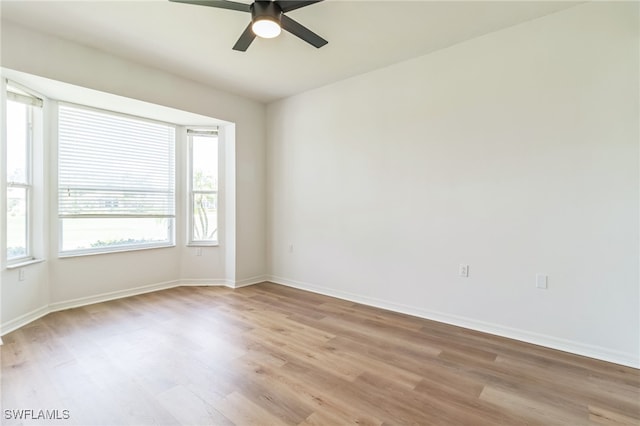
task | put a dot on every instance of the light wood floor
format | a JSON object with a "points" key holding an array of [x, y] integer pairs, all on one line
{"points": [[272, 355]]}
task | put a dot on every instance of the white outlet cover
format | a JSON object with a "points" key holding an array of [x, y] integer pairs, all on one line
{"points": [[542, 281], [463, 270]]}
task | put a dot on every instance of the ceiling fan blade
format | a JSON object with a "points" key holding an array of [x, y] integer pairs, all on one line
{"points": [[288, 5], [245, 40], [221, 4], [302, 32]]}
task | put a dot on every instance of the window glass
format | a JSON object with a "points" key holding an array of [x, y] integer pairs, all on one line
{"points": [[205, 217], [203, 206], [17, 142], [205, 163], [19, 131], [17, 223], [104, 233]]}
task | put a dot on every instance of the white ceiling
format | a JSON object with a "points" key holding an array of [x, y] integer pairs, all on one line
{"points": [[195, 41]]}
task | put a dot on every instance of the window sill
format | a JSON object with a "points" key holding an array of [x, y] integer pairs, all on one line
{"points": [[216, 244], [24, 263], [69, 255]]}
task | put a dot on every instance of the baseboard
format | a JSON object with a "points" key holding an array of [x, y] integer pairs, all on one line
{"points": [[573, 347], [204, 282], [23, 320], [105, 297], [224, 282], [250, 281]]}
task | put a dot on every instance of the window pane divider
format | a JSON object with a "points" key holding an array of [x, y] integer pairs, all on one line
{"points": [[113, 216]]}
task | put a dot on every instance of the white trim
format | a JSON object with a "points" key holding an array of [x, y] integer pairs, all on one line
{"points": [[69, 254], [202, 131], [217, 282], [25, 319], [250, 281], [23, 263], [204, 282], [27, 96], [564, 345], [105, 297]]}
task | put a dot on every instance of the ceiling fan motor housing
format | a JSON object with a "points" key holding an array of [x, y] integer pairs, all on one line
{"points": [[266, 10]]}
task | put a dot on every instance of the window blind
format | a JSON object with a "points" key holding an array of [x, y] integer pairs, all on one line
{"points": [[111, 165]]}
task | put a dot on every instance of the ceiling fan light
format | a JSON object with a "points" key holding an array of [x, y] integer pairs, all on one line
{"points": [[266, 28]]}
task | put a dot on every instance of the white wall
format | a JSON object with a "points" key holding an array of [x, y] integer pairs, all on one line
{"points": [[61, 281], [516, 153]]}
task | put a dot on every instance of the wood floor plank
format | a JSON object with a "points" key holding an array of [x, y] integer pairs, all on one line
{"points": [[242, 411], [270, 355], [541, 412], [189, 409], [607, 417], [319, 388], [274, 396]]}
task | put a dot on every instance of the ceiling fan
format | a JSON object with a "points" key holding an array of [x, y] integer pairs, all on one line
{"points": [[267, 19]]}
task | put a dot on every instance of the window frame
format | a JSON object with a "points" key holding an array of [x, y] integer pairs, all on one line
{"points": [[171, 220], [26, 97], [191, 241]]}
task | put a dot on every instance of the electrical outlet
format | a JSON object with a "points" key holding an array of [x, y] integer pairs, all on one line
{"points": [[463, 270], [199, 251], [21, 274], [542, 281]]}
